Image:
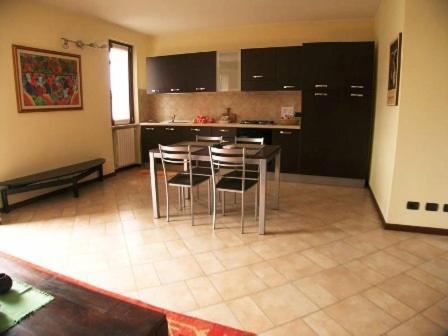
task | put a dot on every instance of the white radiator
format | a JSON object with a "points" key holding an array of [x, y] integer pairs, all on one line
{"points": [[124, 147]]}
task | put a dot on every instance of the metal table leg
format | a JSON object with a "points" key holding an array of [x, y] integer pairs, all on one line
{"points": [[262, 200], [154, 186], [277, 180]]}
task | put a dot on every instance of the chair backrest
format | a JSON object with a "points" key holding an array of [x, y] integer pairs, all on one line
{"points": [[180, 155], [247, 140], [232, 158], [209, 138]]}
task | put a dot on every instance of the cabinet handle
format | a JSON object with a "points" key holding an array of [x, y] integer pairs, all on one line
{"points": [[200, 89], [155, 90], [321, 85], [356, 95], [289, 86], [149, 128], [320, 94], [195, 129], [285, 132], [223, 130], [257, 76], [170, 129], [174, 90], [357, 86]]}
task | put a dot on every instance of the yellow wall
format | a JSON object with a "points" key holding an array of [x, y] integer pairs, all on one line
{"points": [[421, 169], [30, 142], [410, 150], [389, 21], [263, 36]]}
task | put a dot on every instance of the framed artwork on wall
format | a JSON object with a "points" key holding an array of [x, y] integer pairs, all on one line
{"points": [[47, 80], [393, 85]]}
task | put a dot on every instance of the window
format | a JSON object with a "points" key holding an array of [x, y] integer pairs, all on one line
{"points": [[121, 91]]}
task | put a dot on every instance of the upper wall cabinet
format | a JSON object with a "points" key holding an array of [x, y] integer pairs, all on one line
{"points": [[182, 73], [268, 69], [258, 69], [289, 68]]}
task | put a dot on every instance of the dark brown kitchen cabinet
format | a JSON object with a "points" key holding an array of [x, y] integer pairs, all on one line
{"points": [[201, 72], [289, 68], [182, 73], [258, 69], [149, 138], [228, 133], [337, 109], [189, 132], [289, 141]]}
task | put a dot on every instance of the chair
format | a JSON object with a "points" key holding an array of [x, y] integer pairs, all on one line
{"points": [[234, 158], [204, 168], [180, 155], [247, 140]]}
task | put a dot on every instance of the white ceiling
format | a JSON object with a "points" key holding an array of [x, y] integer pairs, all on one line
{"points": [[169, 16]]}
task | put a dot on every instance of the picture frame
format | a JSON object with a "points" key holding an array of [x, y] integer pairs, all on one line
{"points": [[47, 80], [393, 85]]}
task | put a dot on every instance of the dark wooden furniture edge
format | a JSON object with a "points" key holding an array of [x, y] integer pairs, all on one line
{"points": [[402, 227], [49, 194]]}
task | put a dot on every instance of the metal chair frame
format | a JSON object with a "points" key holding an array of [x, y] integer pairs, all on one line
{"points": [[234, 158], [179, 155]]}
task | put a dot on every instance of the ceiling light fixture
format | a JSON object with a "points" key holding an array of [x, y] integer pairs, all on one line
{"points": [[81, 44]]}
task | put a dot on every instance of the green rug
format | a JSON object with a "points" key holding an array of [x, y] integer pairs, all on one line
{"points": [[19, 302]]}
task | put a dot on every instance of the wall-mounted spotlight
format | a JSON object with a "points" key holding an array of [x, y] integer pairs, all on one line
{"points": [[81, 44]]}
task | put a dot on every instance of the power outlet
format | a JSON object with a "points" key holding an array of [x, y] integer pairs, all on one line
{"points": [[431, 207], [412, 205], [445, 208]]}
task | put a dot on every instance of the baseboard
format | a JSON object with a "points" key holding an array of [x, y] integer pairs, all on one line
{"points": [[127, 167], [52, 193], [402, 227]]}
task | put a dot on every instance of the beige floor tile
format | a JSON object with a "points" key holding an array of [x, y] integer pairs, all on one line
{"points": [[364, 272], [319, 258], [420, 248], [268, 274], [204, 243], [324, 325], [438, 313], [295, 266], [404, 255], [219, 313], [145, 276], [208, 262], [297, 327], [283, 304], [417, 326], [437, 267], [114, 280], [411, 292], [236, 283], [175, 270], [175, 297], [238, 256], [177, 248], [143, 254], [385, 263], [276, 247], [389, 304], [203, 291], [249, 315], [429, 280], [340, 282], [340, 252], [361, 317], [315, 292]]}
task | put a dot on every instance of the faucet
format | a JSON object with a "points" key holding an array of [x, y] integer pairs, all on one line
{"points": [[173, 116]]}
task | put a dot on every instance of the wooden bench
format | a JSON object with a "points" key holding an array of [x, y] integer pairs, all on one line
{"points": [[51, 178]]}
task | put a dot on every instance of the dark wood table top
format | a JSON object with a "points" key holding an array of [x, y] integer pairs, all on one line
{"points": [[79, 311], [54, 173], [201, 149]]}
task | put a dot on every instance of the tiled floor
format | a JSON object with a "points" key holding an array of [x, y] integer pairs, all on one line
{"points": [[325, 266]]}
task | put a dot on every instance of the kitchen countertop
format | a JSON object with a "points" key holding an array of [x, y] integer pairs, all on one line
{"points": [[237, 125]]}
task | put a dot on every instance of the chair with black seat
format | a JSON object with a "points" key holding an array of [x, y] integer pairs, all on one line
{"points": [[203, 168], [180, 155], [230, 158]]}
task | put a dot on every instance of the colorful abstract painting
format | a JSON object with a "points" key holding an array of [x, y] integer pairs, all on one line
{"points": [[47, 80]]}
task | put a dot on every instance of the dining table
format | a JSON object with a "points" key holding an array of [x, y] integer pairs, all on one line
{"points": [[260, 155]]}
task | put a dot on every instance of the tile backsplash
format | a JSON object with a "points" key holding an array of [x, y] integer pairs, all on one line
{"points": [[246, 105]]}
